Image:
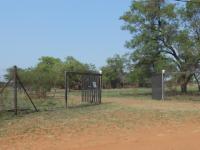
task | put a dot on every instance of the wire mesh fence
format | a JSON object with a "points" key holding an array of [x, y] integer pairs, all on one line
{"points": [[6, 98], [181, 83], [77, 89], [20, 96]]}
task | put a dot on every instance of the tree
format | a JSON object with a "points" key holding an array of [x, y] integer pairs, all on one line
{"points": [[157, 30], [71, 64], [48, 74], [191, 21], [114, 71], [142, 71]]}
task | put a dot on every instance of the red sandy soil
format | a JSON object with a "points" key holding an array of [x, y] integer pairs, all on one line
{"points": [[169, 137]]}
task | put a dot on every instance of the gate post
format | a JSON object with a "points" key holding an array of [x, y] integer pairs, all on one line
{"points": [[101, 85], [163, 85], [15, 88]]}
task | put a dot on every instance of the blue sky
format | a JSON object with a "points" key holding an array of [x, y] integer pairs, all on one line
{"points": [[89, 30]]}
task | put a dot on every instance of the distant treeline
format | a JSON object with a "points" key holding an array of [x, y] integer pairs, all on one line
{"points": [[49, 73]]}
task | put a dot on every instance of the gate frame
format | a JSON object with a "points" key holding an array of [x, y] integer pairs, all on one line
{"points": [[68, 73]]}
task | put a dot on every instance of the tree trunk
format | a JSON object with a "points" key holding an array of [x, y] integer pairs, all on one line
{"points": [[184, 87], [54, 93], [186, 80], [196, 78]]}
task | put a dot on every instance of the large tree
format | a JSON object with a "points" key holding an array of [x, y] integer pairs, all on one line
{"points": [[114, 71], [158, 30]]}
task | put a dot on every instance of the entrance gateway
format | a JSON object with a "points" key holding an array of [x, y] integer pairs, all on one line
{"points": [[90, 85]]}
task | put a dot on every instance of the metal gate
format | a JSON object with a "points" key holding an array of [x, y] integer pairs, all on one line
{"points": [[90, 86], [157, 87]]}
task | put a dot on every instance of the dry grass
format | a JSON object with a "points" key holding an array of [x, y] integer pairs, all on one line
{"points": [[118, 114], [123, 113]]}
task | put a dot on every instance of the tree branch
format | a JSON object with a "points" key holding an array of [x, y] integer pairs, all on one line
{"points": [[173, 51]]}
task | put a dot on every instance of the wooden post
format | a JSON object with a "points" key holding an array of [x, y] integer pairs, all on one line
{"points": [[15, 88], [66, 89]]}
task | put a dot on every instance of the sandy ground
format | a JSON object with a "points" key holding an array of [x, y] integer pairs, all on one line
{"points": [[174, 137], [170, 136]]}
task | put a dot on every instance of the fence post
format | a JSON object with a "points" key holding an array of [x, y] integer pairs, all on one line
{"points": [[101, 85], [15, 88], [163, 86], [66, 89]]}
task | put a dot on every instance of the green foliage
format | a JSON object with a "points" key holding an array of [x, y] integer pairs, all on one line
{"points": [[115, 71], [49, 73], [161, 31]]}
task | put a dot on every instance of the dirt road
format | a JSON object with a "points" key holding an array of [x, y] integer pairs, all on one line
{"points": [[174, 137]]}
